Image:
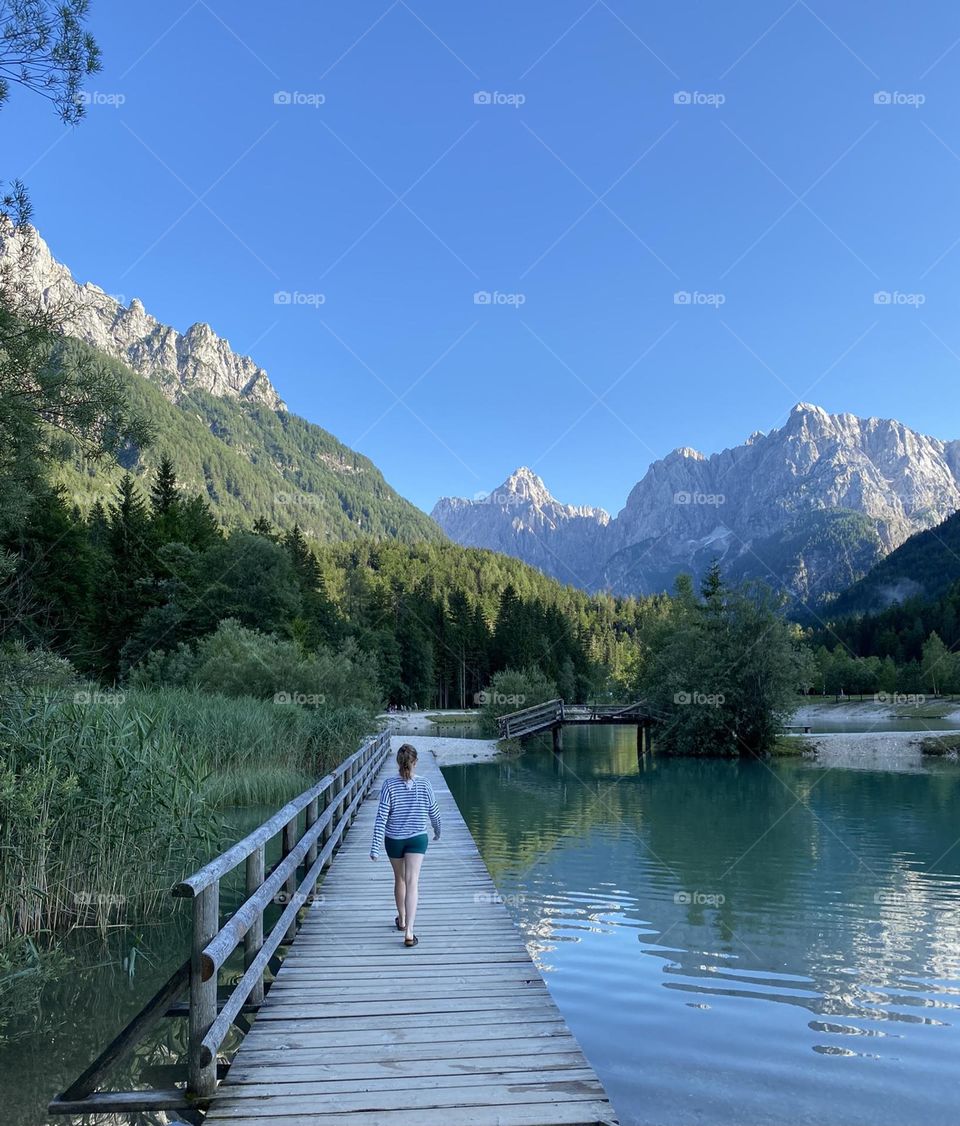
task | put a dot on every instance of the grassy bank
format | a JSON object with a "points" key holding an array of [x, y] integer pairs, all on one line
{"points": [[941, 743], [105, 796], [792, 745]]}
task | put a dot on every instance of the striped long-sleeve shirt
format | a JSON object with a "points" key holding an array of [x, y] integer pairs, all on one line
{"points": [[404, 810]]}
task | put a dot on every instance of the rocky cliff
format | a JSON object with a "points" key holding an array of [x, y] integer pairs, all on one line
{"points": [[809, 506], [197, 359], [522, 519]]}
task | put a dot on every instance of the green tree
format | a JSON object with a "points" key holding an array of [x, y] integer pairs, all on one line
{"points": [[936, 664], [725, 670], [164, 495], [46, 49]]}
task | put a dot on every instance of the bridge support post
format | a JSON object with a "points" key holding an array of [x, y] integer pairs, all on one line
{"points": [[288, 843], [202, 1080], [558, 737], [253, 939]]}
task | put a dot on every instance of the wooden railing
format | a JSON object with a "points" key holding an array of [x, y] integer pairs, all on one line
{"points": [[579, 713], [527, 721], [212, 945], [554, 713], [329, 808]]}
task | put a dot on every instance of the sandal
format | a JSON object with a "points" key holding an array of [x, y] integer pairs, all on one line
{"points": [[397, 923], [411, 941]]}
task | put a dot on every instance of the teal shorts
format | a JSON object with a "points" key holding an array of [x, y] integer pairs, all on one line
{"points": [[398, 847]]}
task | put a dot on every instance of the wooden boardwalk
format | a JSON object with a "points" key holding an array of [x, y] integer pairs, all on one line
{"points": [[357, 1030]]}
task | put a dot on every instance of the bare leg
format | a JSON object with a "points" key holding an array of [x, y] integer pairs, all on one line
{"points": [[399, 886], [411, 873]]}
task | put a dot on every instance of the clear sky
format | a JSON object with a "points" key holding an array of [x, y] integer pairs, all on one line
{"points": [[780, 162]]}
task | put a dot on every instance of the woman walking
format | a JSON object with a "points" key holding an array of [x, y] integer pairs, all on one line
{"points": [[407, 802]]}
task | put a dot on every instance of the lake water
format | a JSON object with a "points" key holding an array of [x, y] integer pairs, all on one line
{"points": [[105, 984], [737, 943]]}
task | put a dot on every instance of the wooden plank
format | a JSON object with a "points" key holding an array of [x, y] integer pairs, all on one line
{"points": [[596, 1112], [232, 1098], [378, 1068], [122, 1102], [283, 1085], [270, 1060], [449, 1026]]}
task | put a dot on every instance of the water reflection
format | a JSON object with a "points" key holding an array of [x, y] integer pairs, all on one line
{"points": [[737, 942], [104, 985]]}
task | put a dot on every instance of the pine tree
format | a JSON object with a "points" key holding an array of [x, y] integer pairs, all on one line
{"points": [[164, 494]]}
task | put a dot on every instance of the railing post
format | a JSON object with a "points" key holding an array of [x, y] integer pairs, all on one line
{"points": [[351, 775], [335, 791], [289, 843], [313, 812], [328, 828], [253, 939], [202, 1081]]}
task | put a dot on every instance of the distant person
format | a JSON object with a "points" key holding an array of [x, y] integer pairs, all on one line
{"points": [[407, 803]]}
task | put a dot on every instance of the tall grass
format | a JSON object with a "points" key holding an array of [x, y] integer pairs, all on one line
{"points": [[106, 797]]}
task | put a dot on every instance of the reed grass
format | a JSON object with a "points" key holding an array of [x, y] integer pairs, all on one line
{"points": [[105, 798]]}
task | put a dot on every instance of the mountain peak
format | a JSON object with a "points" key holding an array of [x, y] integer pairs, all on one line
{"points": [[178, 362], [523, 482]]}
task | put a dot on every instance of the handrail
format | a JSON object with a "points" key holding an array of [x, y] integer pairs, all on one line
{"points": [[533, 708], [554, 713], [217, 868], [344, 789]]}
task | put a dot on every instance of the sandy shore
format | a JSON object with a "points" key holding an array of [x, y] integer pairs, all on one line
{"points": [[419, 722], [822, 711], [867, 750], [449, 752]]}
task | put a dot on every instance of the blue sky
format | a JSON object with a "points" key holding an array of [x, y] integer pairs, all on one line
{"points": [[780, 163]]}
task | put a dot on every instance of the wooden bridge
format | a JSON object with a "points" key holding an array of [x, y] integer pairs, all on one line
{"points": [[353, 1029], [555, 714]]}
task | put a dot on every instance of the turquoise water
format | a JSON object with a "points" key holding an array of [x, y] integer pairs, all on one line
{"points": [[737, 943]]}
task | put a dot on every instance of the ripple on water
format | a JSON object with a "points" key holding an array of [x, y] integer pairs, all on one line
{"points": [[726, 954]]}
